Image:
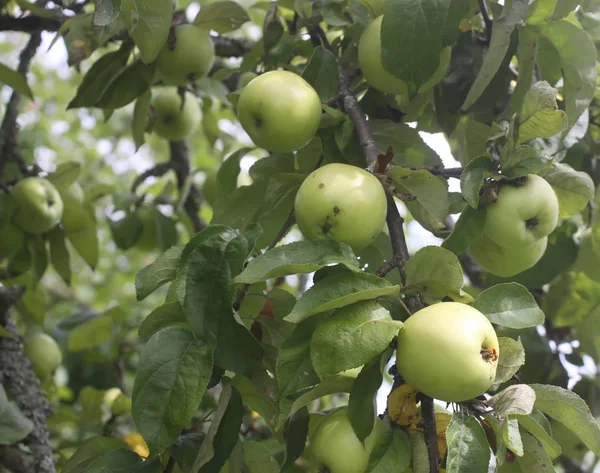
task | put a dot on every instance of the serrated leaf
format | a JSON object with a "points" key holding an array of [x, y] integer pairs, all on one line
{"points": [[130, 83], [574, 189], [59, 255], [297, 432], [89, 451], [338, 291], [90, 334], [322, 73], [512, 436], [296, 258], [86, 244], [512, 357], [15, 81], [254, 395], [570, 410], [160, 272], [14, 426], [516, 399], [535, 458], [436, 273], [106, 12], [468, 228], [468, 449], [530, 424], [173, 374], [351, 337], [540, 116], [141, 114], [259, 458], [392, 451], [510, 305], [522, 161], [472, 177], [169, 313], [223, 16], [526, 55]]}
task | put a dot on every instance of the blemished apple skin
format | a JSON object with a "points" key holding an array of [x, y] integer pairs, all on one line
{"points": [[506, 262], [522, 215], [341, 202], [448, 351], [335, 446], [191, 59], [280, 111]]}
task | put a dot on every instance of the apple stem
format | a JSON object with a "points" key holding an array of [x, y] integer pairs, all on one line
{"points": [[489, 354], [531, 223]]}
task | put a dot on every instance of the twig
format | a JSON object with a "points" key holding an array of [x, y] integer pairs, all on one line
{"points": [[17, 375], [120, 367], [9, 127], [487, 19], [440, 171], [428, 413], [170, 465], [180, 163], [156, 171], [14, 460], [387, 266]]}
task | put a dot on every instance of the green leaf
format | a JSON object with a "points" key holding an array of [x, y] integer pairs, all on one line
{"points": [[362, 405], [297, 432], [122, 461], [411, 38], [86, 244], [91, 334], [472, 178], [430, 192], [392, 451], [522, 161], [227, 175], [539, 12], [254, 396], [516, 399], [468, 449], [148, 22], [185, 449], [578, 64], [535, 458], [570, 410], [160, 272], [512, 357], [14, 426], [223, 16], [165, 315], [338, 291], [106, 12], [259, 458], [572, 299], [141, 114], [351, 337], [512, 14], [510, 305], [531, 425], [468, 228], [59, 255], [322, 73], [171, 379], [89, 451], [469, 139], [540, 116], [526, 55], [129, 84], [512, 437], [574, 189], [296, 258], [436, 273], [15, 80]]}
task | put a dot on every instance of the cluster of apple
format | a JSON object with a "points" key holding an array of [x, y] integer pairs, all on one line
{"points": [[517, 226]]}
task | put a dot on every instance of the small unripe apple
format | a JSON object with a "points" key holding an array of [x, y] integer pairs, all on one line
{"points": [[506, 262], [209, 188], [246, 78], [369, 58], [335, 447], [188, 58], [39, 205], [280, 111], [341, 202], [523, 214], [448, 351], [175, 121], [44, 354], [121, 405]]}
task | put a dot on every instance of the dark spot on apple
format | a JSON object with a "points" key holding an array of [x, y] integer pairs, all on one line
{"points": [[336, 210], [258, 122], [321, 185], [531, 223], [325, 228], [50, 202]]}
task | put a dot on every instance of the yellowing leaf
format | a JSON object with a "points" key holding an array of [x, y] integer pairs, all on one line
{"points": [[402, 405]]}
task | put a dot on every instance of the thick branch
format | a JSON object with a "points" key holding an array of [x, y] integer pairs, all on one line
{"points": [[181, 165], [17, 375], [431, 440], [8, 130]]}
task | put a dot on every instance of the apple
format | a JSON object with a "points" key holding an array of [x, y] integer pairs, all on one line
{"points": [[39, 205], [44, 354], [148, 240], [522, 215], [335, 447], [75, 216], [189, 57], [246, 78], [280, 111], [369, 59], [506, 262], [448, 351], [341, 202], [209, 187], [174, 121], [12, 239]]}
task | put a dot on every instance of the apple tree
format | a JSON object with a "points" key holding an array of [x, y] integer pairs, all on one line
{"points": [[326, 236]]}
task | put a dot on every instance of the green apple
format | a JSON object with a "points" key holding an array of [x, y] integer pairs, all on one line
{"points": [[44, 354], [174, 121], [148, 240], [121, 405], [246, 78], [189, 57], [341, 202], [209, 187], [369, 58], [507, 262], [522, 215], [12, 240], [75, 216], [448, 351], [39, 205], [280, 111], [335, 447]]}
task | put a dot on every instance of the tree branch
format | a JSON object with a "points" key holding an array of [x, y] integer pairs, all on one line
{"points": [[156, 171], [440, 171], [487, 19], [9, 129], [180, 163], [14, 460], [17, 375], [428, 412]]}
